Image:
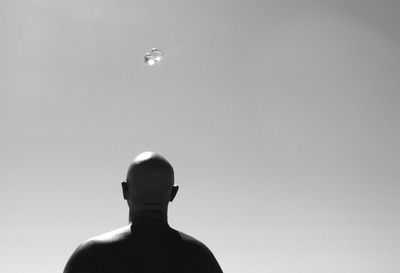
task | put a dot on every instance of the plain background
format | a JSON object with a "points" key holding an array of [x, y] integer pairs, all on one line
{"points": [[281, 119]]}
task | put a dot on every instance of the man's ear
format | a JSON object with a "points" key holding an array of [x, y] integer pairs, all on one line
{"points": [[125, 190], [173, 192]]}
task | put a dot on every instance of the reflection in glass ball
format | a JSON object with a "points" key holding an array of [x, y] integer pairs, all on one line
{"points": [[155, 56]]}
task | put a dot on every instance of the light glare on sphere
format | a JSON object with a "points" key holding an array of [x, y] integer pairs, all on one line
{"points": [[155, 56]]}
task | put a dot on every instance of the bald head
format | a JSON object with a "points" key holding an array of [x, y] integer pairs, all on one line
{"points": [[149, 181]]}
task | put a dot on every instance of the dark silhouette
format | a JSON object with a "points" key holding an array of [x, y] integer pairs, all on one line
{"points": [[148, 244]]}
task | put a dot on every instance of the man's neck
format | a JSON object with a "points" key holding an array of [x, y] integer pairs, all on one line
{"points": [[137, 215]]}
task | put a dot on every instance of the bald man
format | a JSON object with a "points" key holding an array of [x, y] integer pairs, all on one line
{"points": [[148, 244]]}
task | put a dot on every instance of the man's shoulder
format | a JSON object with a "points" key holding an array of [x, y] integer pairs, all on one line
{"points": [[198, 254], [191, 242], [85, 255], [106, 239], [110, 237]]}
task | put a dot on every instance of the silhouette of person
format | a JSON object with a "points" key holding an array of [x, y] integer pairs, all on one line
{"points": [[148, 244]]}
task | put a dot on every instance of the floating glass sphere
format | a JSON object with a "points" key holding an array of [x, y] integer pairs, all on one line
{"points": [[157, 53], [155, 56], [149, 59]]}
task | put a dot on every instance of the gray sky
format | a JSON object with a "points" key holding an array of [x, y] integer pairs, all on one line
{"points": [[280, 118]]}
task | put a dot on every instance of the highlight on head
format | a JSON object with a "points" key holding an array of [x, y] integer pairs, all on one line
{"points": [[150, 180]]}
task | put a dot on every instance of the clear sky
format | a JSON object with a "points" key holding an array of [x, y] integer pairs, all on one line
{"points": [[281, 119]]}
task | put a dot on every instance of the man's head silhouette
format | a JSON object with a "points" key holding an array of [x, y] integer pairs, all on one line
{"points": [[149, 183], [148, 243]]}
